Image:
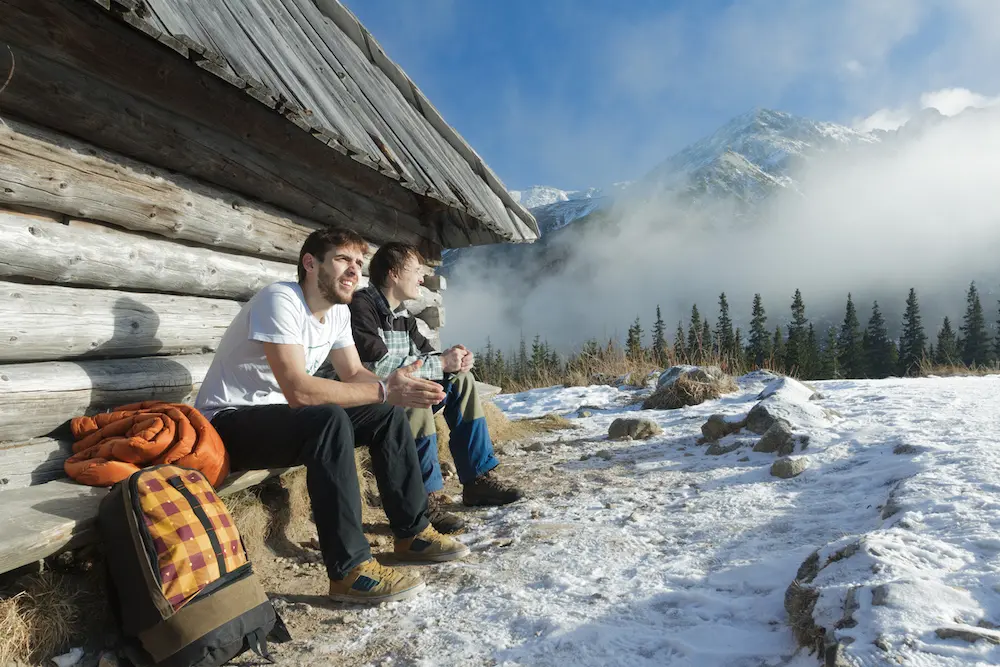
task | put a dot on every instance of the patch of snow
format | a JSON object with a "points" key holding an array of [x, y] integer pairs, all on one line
{"points": [[661, 555]]}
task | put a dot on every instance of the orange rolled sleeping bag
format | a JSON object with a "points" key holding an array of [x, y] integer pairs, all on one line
{"points": [[111, 446]]}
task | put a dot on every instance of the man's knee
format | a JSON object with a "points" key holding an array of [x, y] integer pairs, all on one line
{"points": [[467, 399], [421, 422], [328, 424]]}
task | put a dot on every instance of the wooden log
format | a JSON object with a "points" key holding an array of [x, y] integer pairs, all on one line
{"points": [[46, 170], [37, 461], [36, 399], [433, 316], [48, 322], [435, 283], [430, 334], [426, 300], [42, 520], [104, 257]]}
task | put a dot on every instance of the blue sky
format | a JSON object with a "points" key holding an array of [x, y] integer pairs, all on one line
{"points": [[579, 93]]}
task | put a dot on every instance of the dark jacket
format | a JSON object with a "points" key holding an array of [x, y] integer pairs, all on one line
{"points": [[388, 340]]}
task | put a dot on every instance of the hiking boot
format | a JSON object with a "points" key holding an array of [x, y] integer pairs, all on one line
{"points": [[374, 583], [430, 546], [488, 489], [442, 520]]}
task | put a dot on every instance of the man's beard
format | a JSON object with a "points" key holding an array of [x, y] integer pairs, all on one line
{"points": [[329, 286]]}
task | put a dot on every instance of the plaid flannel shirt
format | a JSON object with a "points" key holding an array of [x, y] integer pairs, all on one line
{"points": [[388, 340]]}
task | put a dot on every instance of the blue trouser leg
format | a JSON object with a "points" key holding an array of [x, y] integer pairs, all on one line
{"points": [[470, 442], [425, 435]]}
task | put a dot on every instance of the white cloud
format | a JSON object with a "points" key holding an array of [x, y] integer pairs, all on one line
{"points": [[949, 101], [953, 101]]}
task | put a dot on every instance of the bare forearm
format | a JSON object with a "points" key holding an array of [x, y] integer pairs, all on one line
{"points": [[357, 390]]}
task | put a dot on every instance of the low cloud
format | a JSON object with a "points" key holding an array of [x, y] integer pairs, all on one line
{"points": [[949, 101], [920, 213]]}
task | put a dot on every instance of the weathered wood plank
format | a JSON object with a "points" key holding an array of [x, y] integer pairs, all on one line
{"points": [[104, 257], [187, 120], [36, 399], [47, 170], [433, 316], [37, 461], [42, 520], [435, 283], [49, 322]]}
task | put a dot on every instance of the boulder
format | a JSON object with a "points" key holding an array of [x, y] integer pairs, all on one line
{"points": [[718, 449], [789, 388], [583, 414], [635, 428], [759, 419], [679, 386], [778, 438], [719, 426], [789, 467]]}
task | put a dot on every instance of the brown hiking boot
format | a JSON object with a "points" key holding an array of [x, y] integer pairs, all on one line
{"points": [[442, 520], [488, 489], [430, 546], [374, 583]]}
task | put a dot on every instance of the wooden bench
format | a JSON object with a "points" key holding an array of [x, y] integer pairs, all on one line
{"points": [[45, 519]]}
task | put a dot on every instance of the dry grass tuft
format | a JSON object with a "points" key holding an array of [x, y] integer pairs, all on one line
{"points": [[688, 391], [371, 502], [956, 370], [253, 520], [50, 613]]}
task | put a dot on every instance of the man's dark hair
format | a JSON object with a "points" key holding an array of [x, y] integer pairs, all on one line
{"points": [[391, 257], [323, 240]]}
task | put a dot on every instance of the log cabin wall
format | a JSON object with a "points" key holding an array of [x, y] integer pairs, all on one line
{"points": [[117, 281]]}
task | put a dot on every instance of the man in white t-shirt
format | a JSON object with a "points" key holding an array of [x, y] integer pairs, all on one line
{"points": [[271, 412]]}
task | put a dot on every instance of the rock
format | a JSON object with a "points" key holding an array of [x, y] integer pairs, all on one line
{"points": [[718, 449], [882, 644], [671, 374], [583, 414], [759, 419], [718, 427], [679, 386], [905, 449], [448, 468], [790, 387], [69, 659], [108, 659], [777, 438], [788, 467], [534, 447], [968, 634], [880, 595], [630, 427], [605, 454], [743, 459]]}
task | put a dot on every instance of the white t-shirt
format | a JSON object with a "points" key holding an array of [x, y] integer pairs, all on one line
{"points": [[240, 375]]}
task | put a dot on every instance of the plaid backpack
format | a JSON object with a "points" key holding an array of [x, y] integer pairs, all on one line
{"points": [[182, 586]]}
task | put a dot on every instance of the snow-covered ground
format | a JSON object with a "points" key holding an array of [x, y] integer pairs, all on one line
{"points": [[655, 553]]}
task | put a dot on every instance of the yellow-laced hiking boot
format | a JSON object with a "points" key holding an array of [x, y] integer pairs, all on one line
{"points": [[374, 583], [430, 546]]}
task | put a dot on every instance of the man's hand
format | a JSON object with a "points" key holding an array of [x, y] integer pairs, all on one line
{"points": [[467, 361], [452, 358], [407, 391]]}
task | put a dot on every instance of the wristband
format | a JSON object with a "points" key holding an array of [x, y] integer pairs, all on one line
{"points": [[383, 392]]}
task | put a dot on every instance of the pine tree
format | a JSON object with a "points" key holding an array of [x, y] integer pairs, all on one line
{"points": [[778, 347], [913, 341], [724, 336], [522, 359], [947, 346], [738, 357], [659, 340], [759, 350], [975, 346], [931, 352], [878, 347], [707, 344], [996, 340], [829, 367], [694, 341], [850, 352], [810, 357], [795, 349], [539, 355], [633, 344], [680, 352]]}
